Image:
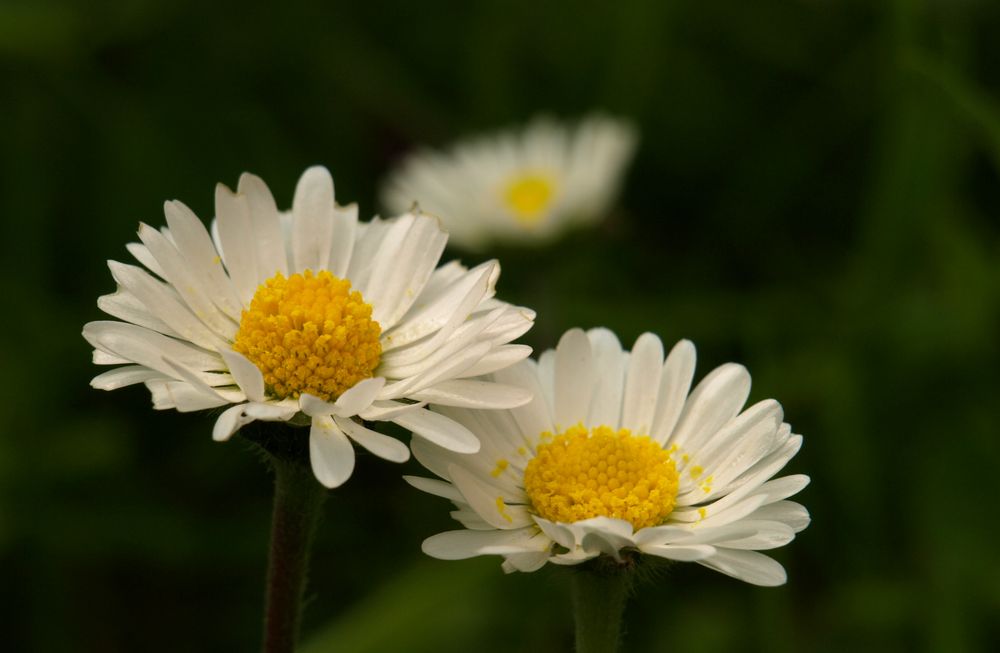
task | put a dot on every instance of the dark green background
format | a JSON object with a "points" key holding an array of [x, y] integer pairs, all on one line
{"points": [[816, 195]]}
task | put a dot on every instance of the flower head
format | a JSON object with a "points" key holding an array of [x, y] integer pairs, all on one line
{"points": [[517, 186], [614, 457], [310, 315]]}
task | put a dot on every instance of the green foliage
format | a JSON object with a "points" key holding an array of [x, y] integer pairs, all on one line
{"points": [[816, 196]]}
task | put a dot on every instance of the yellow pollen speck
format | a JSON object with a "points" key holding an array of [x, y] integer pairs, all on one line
{"points": [[602, 473], [502, 509], [696, 471], [528, 196], [217, 260], [521, 451], [498, 470], [701, 513], [309, 333]]}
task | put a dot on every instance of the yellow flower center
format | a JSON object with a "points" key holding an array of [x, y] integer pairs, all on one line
{"points": [[528, 196], [581, 474], [309, 333]]}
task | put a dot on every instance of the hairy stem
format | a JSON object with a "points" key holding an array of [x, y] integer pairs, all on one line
{"points": [[599, 596], [297, 501]]}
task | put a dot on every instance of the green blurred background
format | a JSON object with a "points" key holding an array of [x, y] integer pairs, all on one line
{"points": [[816, 195]]}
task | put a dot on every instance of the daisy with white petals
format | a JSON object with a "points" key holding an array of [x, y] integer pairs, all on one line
{"points": [[521, 186], [614, 457], [312, 317]]}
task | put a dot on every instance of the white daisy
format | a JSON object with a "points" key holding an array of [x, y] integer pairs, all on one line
{"points": [[517, 186], [614, 457], [309, 316]]}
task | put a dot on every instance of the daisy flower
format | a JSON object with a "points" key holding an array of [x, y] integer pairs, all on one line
{"points": [[614, 457], [309, 317], [523, 186]]}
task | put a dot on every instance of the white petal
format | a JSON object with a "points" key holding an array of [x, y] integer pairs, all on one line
{"points": [[99, 357], [605, 535], [345, 227], [500, 439], [189, 284], [381, 445], [448, 368], [123, 376], [358, 397], [756, 426], [715, 401], [399, 274], [574, 378], [436, 487], [451, 306], [164, 304], [230, 421], [237, 241], [313, 220], [246, 374], [313, 406], [487, 501], [182, 396], [561, 534], [753, 480], [193, 379], [439, 429], [195, 245], [126, 306], [749, 566], [755, 438], [394, 364], [574, 557], [441, 318], [547, 377], [474, 394], [469, 518], [666, 534], [787, 512], [145, 347], [498, 359], [263, 214], [525, 562], [716, 515], [382, 411], [459, 545], [678, 371], [143, 256], [765, 535], [610, 360], [642, 384], [679, 552], [371, 239], [330, 452], [535, 417], [269, 412]]}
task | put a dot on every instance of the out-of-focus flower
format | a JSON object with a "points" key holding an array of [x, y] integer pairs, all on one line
{"points": [[518, 186], [614, 457], [311, 317]]}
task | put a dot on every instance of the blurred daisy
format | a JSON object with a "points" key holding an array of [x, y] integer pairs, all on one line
{"points": [[614, 457], [312, 317], [517, 186]]}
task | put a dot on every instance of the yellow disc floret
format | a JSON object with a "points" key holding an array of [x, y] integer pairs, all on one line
{"points": [[528, 195], [581, 474], [309, 333]]}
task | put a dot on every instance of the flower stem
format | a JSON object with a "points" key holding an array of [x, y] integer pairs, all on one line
{"points": [[297, 501], [599, 595]]}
